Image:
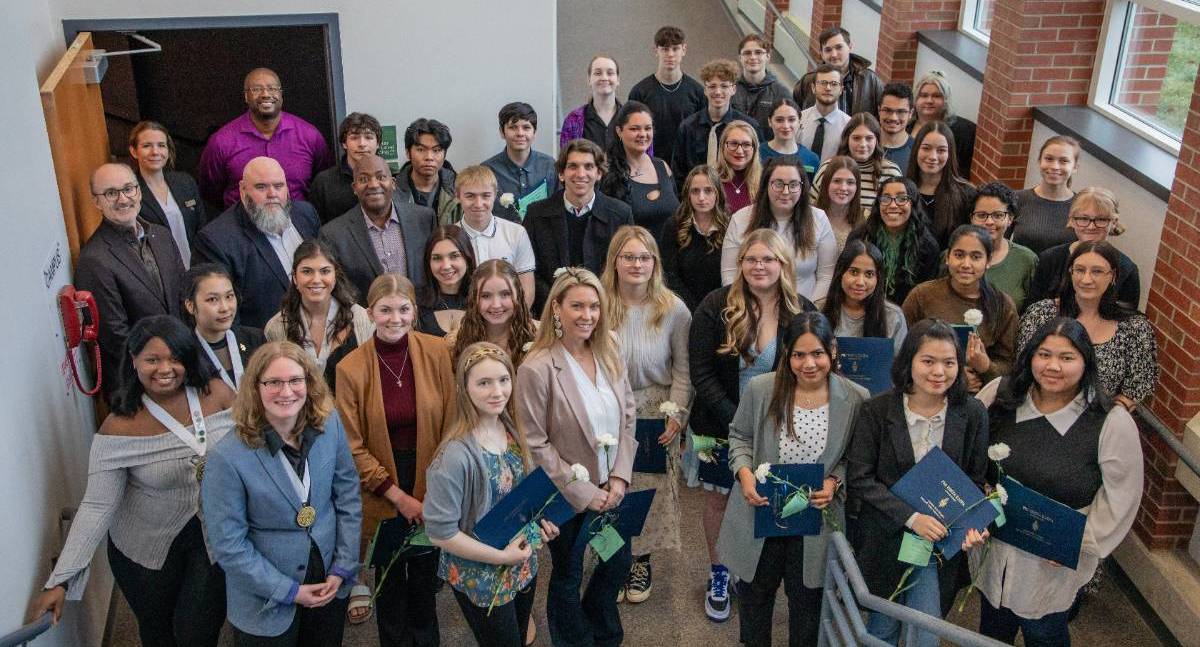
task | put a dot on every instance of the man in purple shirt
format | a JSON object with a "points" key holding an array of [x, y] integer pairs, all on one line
{"points": [[265, 130]]}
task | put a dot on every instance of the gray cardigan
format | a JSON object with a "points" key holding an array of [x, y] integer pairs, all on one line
{"points": [[456, 489], [754, 440]]}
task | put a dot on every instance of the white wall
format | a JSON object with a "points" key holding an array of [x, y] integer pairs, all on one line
{"points": [[965, 88], [45, 428], [1142, 212], [475, 56], [863, 24], [456, 61]]}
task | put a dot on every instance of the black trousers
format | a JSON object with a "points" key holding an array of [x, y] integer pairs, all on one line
{"points": [[594, 619], [406, 608], [182, 603], [782, 559], [506, 625], [312, 626]]}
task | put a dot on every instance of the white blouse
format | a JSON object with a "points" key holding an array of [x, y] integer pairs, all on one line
{"points": [[1032, 587], [811, 434], [814, 266], [603, 413]]}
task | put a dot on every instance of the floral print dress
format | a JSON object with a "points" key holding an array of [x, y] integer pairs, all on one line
{"points": [[477, 580]]}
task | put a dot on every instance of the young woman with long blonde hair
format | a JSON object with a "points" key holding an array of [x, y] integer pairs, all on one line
{"points": [[652, 324], [483, 456]]}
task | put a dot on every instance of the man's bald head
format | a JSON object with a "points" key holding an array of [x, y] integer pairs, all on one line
{"points": [[116, 193], [263, 75], [265, 194]]}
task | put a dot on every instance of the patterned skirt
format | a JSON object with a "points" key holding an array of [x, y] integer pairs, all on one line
{"points": [[661, 531]]}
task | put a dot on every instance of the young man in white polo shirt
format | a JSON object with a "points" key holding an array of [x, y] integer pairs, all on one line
{"points": [[493, 237]]}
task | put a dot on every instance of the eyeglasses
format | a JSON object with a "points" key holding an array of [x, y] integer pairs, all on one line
{"points": [[733, 146], [828, 84], [753, 53], [129, 190], [901, 200], [1094, 272], [1084, 221], [984, 216], [787, 187], [263, 89], [754, 261], [634, 259], [275, 386]]}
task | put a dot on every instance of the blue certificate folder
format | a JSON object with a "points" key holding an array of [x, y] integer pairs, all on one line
{"points": [[717, 473], [1041, 526], [651, 457], [628, 518], [964, 334], [938, 487], [498, 527], [867, 361], [766, 518]]}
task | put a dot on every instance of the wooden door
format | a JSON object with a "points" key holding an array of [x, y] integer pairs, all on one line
{"points": [[78, 139]]}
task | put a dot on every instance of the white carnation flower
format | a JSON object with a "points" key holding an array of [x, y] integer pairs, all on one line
{"points": [[507, 200], [973, 317], [607, 440], [579, 473], [998, 452], [760, 473], [1003, 494]]}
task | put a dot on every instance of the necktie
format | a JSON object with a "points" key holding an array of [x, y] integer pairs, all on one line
{"points": [[818, 142]]}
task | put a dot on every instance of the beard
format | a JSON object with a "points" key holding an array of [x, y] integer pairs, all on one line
{"points": [[269, 218]]}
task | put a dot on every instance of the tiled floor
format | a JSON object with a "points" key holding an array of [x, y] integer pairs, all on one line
{"points": [[674, 614]]}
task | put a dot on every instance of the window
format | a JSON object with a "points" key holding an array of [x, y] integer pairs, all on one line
{"points": [[1147, 68], [976, 19]]}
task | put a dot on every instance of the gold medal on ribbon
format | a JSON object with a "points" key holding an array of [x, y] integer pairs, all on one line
{"points": [[306, 516]]}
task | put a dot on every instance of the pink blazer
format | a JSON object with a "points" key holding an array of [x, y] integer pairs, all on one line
{"points": [[556, 426]]}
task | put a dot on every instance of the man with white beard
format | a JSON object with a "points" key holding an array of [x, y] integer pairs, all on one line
{"points": [[255, 239]]}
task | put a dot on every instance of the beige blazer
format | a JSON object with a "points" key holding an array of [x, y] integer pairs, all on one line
{"points": [[556, 426]]}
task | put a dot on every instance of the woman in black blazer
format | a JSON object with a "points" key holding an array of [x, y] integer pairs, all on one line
{"points": [[732, 339], [169, 198], [210, 305], [928, 407]]}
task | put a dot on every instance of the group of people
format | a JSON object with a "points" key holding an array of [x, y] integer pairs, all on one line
{"points": [[397, 352]]}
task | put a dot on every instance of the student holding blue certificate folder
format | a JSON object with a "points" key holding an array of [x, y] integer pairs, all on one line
{"points": [[1070, 449], [483, 456], [929, 407], [800, 416]]}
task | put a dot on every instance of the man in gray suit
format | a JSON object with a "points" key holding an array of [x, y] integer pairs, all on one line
{"points": [[379, 235]]}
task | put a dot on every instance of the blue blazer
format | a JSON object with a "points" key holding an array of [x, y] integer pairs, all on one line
{"points": [[250, 520], [232, 240]]}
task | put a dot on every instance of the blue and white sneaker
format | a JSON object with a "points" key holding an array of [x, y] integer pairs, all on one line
{"points": [[716, 602]]}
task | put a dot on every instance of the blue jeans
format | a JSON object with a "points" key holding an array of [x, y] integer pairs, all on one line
{"points": [[924, 596], [1002, 624], [593, 620]]}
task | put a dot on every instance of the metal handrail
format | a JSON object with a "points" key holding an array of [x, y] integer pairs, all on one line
{"points": [[799, 39], [1169, 438], [28, 632], [846, 591]]}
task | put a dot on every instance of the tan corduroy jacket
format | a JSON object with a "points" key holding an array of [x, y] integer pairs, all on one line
{"points": [[360, 403]]}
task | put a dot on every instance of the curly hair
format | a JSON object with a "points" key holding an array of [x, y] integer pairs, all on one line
{"points": [[291, 313], [249, 415], [473, 328]]}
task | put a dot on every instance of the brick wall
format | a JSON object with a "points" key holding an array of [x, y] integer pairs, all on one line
{"points": [[782, 6], [896, 59], [1150, 42], [825, 14], [1041, 54], [1168, 512]]}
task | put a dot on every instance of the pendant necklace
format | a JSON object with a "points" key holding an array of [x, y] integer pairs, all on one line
{"points": [[738, 188], [399, 376]]}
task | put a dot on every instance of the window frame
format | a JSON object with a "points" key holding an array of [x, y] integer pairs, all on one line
{"points": [[1110, 57], [966, 22]]}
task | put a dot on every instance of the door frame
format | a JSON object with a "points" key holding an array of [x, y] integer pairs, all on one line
{"points": [[333, 39]]}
